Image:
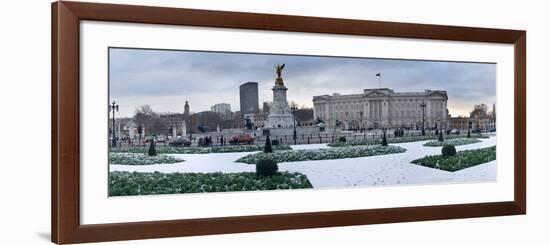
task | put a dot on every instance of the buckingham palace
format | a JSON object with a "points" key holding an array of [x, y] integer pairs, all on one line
{"points": [[383, 108]]}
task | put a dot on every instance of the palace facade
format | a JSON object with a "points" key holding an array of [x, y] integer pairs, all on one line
{"points": [[383, 108]]}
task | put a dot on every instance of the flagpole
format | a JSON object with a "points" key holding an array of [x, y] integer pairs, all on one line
{"points": [[379, 80]]}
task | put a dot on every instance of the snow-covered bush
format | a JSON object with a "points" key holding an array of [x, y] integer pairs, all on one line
{"points": [[321, 154], [462, 159], [405, 139], [200, 150], [135, 183], [141, 159], [455, 142]]}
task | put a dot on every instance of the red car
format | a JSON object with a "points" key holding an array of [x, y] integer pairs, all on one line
{"points": [[242, 139]]}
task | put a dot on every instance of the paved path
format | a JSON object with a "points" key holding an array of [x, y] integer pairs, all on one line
{"points": [[393, 169]]}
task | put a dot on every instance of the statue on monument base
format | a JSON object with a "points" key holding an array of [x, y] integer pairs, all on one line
{"points": [[279, 113]]}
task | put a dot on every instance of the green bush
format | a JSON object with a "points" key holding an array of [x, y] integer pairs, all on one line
{"points": [[405, 139], [321, 154], [275, 142], [453, 141], [266, 168], [141, 159], [198, 150], [384, 140], [440, 136], [152, 151], [462, 159], [134, 183], [342, 139], [448, 150], [267, 147], [468, 134]]}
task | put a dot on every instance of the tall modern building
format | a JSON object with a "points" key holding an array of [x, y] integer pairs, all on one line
{"points": [[249, 98]]}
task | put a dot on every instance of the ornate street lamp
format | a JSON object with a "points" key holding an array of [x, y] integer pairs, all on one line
{"points": [[361, 116], [423, 105], [113, 108], [293, 109]]}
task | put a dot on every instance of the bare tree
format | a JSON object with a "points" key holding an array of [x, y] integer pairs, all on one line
{"points": [[480, 111], [143, 116]]}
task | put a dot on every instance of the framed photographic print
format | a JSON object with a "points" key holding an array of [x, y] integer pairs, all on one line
{"points": [[177, 122]]}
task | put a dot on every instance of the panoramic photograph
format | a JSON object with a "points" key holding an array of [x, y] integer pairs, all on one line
{"points": [[184, 121]]}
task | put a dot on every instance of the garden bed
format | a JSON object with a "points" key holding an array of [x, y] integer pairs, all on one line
{"points": [[134, 183], [454, 142], [397, 140], [322, 154], [141, 159], [201, 150], [462, 159]]}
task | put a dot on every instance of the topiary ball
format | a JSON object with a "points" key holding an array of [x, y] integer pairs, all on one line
{"points": [[266, 168], [342, 139], [448, 150]]}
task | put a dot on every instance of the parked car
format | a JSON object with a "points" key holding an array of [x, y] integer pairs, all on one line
{"points": [[242, 139], [148, 139], [161, 139], [180, 142]]}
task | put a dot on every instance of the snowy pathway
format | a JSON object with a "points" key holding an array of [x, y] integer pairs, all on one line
{"points": [[393, 169]]}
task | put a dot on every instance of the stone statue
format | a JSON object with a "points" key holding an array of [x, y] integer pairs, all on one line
{"points": [[279, 80], [279, 69]]}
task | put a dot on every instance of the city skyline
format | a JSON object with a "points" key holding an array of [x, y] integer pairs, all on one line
{"points": [[165, 79]]}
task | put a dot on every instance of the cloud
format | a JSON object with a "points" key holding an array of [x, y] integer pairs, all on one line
{"points": [[165, 79]]}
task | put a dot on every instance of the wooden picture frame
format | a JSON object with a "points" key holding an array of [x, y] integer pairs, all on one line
{"points": [[65, 171]]}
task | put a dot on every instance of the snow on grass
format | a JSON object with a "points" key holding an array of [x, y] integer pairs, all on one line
{"points": [[141, 159], [322, 154], [454, 142], [392, 169], [135, 183], [200, 150]]}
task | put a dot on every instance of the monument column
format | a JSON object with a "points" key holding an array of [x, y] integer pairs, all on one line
{"points": [[279, 114]]}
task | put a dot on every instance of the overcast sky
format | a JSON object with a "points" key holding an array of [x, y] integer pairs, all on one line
{"points": [[166, 79]]}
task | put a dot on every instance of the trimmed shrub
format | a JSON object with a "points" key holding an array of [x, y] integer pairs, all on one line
{"points": [[275, 142], [342, 139], [448, 150], [266, 168], [152, 151], [440, 136], [267, 147], [468, 134], [322, 154], [384, 140]]}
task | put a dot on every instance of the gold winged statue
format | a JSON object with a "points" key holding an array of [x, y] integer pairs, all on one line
{"points": [[279, 70]]}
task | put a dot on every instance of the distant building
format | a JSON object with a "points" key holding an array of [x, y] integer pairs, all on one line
{"points": [[265, 107], [224, 109], [383, 108], [485, 123], [248, 93], [460, 122]]}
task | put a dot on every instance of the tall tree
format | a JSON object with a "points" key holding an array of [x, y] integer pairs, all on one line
{"points": [[480, 111]]}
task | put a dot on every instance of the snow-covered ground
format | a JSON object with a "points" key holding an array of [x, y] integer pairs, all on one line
{"points": [[393, 169]]}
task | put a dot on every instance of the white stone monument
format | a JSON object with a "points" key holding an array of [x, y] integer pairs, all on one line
{"points": [[280, 115], [183, 128]]}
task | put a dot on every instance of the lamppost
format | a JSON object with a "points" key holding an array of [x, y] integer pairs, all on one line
{"points": [[423, 105], [293, 109], [113, 108], [361, 116]]}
